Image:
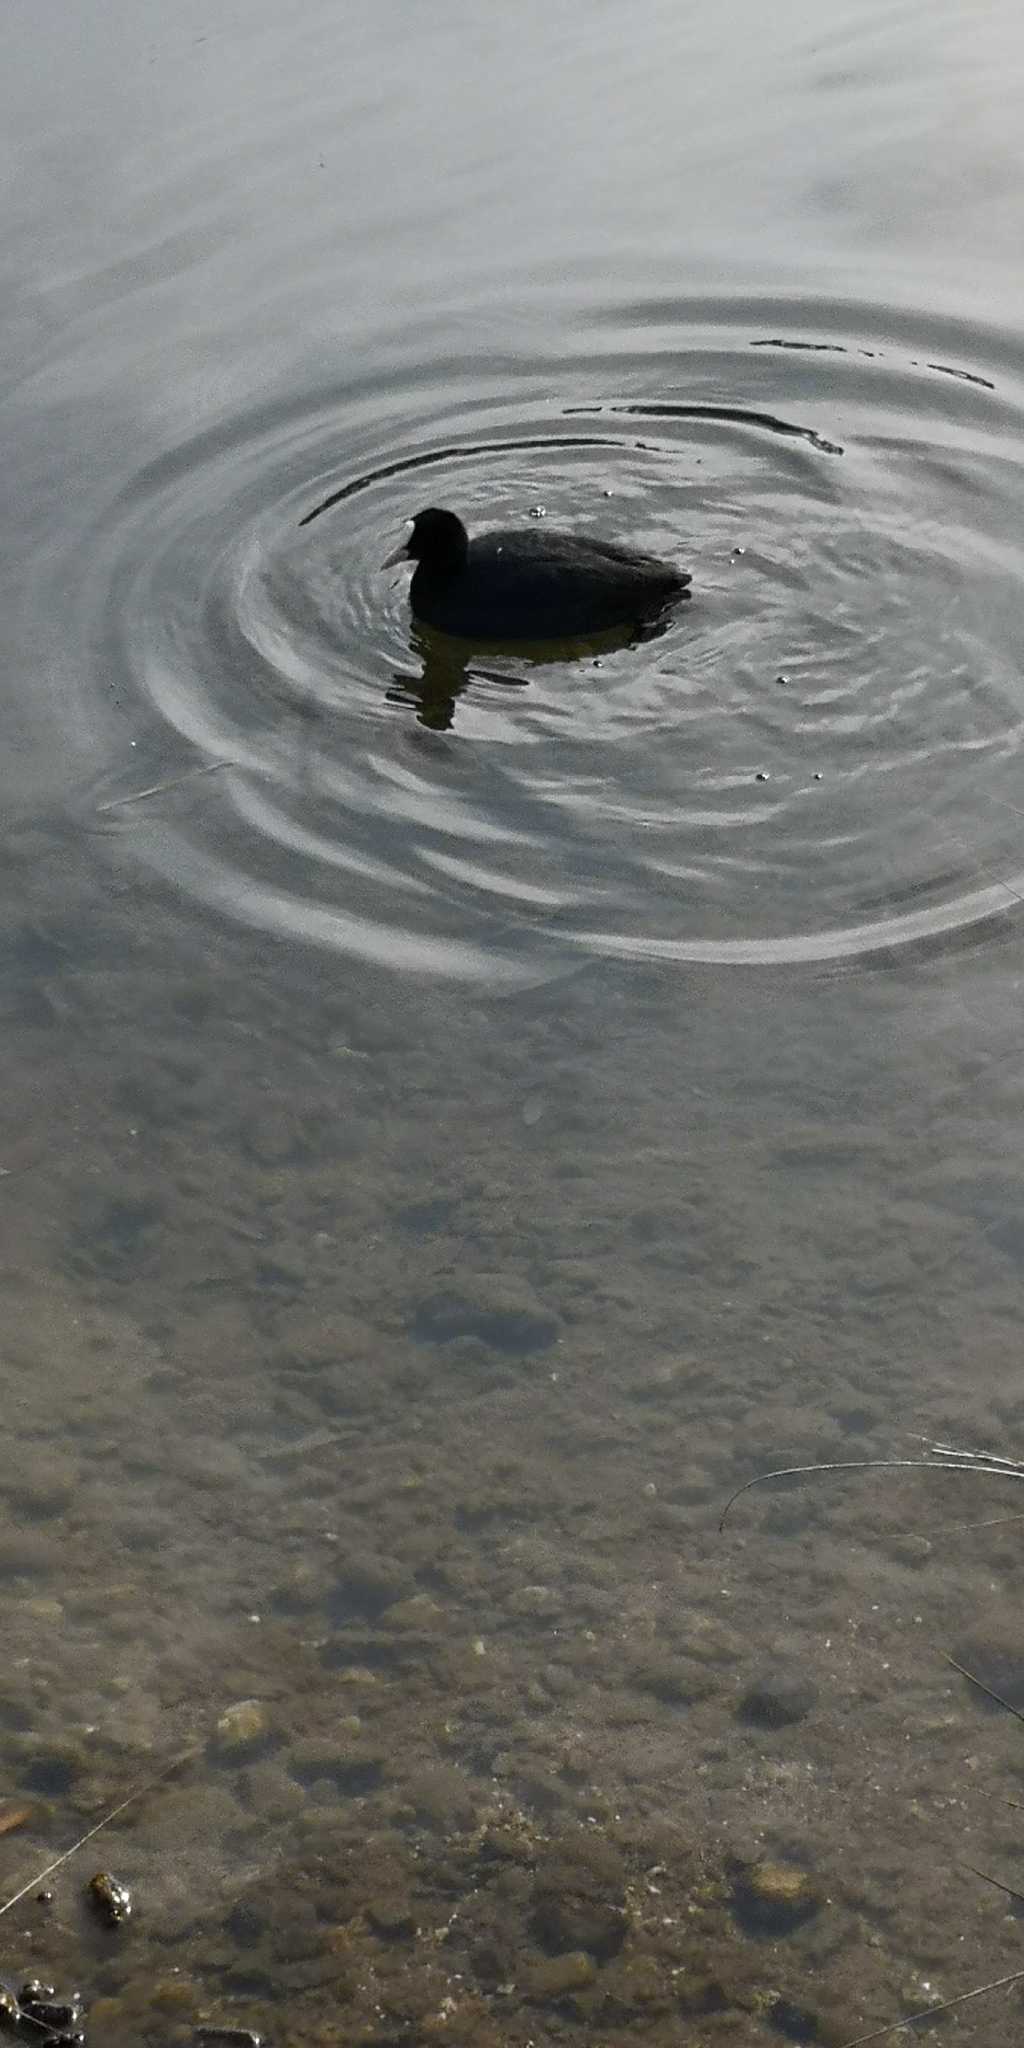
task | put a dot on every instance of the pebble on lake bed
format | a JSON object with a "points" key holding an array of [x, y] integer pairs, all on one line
{"points": [[559, 1975], [773, 1897], [442, 1799], [212, 2036], [777, 1699], [418, 1612], [343, 1762], [50, 1765], [241, 1728], [675, 1681], [580, 1897], [543, 1603], [111, 1899], [44, 1488], [49, 1612]]}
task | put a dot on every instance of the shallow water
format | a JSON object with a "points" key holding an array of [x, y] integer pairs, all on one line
{"points": [[463, 1112]]}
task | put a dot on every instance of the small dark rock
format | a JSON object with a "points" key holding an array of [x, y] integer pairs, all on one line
{"points": [[227, 2037], [559, 1976], [51, 1768], [275, 1137], [675, 1681], [309, 1975], [390, 1914], [492, 1963], [347, 1763], [59, 2017], [504, 1321], [794, 2022], [112, 1899], [702, 1993], [776, 1700], [442, 1799], [365, 1586], [508, 1845], [580, 1897], [246, 1925]]}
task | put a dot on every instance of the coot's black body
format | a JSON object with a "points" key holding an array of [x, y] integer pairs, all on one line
{"points": [[530, 584]]}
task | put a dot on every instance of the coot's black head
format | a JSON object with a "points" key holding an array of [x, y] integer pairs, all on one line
{"points": [[438, 540]]}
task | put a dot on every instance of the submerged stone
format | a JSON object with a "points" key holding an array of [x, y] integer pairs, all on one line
{"points": [[557, 1976], [110, 1898], [580, 1896], [774, 1897], [242, 1728], [777, 1699]]}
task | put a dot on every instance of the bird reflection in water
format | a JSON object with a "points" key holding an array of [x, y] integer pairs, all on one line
{"points": [[449, 666]]}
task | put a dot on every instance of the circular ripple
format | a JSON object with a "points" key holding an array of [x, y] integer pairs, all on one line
{"points": [[816, 760]]}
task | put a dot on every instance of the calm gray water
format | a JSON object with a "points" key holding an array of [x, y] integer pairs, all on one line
{"points": [[465, 1114]]}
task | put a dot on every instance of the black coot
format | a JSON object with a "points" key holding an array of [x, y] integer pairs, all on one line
{"points": [[531, 584]]}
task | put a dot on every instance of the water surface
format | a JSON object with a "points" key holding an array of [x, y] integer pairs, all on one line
{"points": [[465, 1113]]}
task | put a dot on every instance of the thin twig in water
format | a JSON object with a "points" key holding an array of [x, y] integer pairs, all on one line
{"points": [[942, 1457], [932, 2012], [965, 1528], [139, 1793], [957, 1451], [27, 2019], [138, 796], [947, 1460], [997, 1881], [982, 1687]]}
